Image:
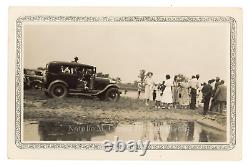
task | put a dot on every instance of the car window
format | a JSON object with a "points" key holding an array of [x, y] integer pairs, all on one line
{"points": [[30, 72], [39, 73], [72, 70]]}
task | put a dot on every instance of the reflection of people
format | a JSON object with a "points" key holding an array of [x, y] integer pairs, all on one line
{"points": [[148, 86], [190, 131], [157, 131], [220, 96], [203, 136], [167, 98], [207, 93]]}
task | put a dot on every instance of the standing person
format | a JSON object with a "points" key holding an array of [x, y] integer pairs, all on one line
{"points": [[213, 102], [193, 93], [158, 96], [149, 84], [154, 92], [167, 98], [220, 96], [207, 93], [75, 60], [199, 93], [184, 100], [175, 90], [139, 88]]}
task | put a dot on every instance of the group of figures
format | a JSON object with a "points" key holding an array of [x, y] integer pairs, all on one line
{"points": [[184, 93]]}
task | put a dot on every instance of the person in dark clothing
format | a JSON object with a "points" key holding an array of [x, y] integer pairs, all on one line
{"points": [[75, 60], [221, 97], [207, 93], [213, 102], [193, 93]]}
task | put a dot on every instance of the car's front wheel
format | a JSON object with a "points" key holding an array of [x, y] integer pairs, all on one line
{"points": [[58, 90], [112, 94]]}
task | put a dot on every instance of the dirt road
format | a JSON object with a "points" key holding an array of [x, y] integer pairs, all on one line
{"points": [[79, 109]]}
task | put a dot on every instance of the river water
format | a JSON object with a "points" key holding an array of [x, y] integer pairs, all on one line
{"points": [[157, 131]]}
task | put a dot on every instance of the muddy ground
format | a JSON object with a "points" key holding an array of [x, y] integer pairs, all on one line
{"points": [[79, 109]]}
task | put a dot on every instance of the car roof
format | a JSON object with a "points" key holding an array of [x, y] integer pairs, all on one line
{"points": [[33, 70], [69, 64]]}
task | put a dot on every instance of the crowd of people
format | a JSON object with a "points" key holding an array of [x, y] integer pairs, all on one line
{"points": [[184, 93]]}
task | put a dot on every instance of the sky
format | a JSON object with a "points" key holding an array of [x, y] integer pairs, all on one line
{"points": [[123, 49]]}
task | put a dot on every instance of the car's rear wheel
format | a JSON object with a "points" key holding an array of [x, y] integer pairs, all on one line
{"points": [[58, 90], [112, 94]]}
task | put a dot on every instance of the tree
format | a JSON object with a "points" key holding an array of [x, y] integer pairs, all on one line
{"points": [[142, 75]]}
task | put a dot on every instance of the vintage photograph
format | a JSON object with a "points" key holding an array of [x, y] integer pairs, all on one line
{"points": [[162, 82], [149, 82]]}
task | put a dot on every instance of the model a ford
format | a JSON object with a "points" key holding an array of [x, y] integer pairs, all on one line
{"points": [[33, 78], [63, 78]]}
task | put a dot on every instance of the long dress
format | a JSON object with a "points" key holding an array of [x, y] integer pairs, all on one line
{"points": [[167, 93], [184, 95], [175, 92], [149, 84]]}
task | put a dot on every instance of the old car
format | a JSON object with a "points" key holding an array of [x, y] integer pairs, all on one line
{"points": [[63, 78], [33, 78]]}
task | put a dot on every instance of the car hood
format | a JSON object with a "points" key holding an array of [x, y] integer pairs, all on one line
{"points": [[102, 80]]}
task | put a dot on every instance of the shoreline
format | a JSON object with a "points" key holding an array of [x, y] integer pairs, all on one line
{"points": [[78, 109]]}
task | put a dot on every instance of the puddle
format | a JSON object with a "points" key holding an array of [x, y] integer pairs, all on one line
{"points": [[160, 131]]}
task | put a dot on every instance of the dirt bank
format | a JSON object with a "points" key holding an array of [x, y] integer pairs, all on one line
{"points": [[79, 109]]}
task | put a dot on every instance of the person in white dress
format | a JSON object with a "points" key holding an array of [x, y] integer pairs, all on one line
{"points": [[167, 97], [149, 85]]}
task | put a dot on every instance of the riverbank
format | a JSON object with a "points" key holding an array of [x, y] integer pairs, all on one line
{"points": [[79, 109]]}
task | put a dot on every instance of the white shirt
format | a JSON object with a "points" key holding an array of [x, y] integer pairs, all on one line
{"points": [[194, 83]]}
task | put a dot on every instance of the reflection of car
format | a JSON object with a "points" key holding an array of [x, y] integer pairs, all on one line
{"points": [[33, 78], [64, 78], [68, 131]]}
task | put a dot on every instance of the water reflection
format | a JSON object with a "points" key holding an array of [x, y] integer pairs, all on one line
{"points": [[157, 131]]}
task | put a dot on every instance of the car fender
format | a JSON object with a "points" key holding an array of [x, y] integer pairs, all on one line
{"points": [[107, 87], [57, 81], [39, 81]]}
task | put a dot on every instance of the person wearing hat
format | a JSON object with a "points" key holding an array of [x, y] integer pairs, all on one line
{"points": [[213, 102], [221, 96], [207, 93], [75, 59]]}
